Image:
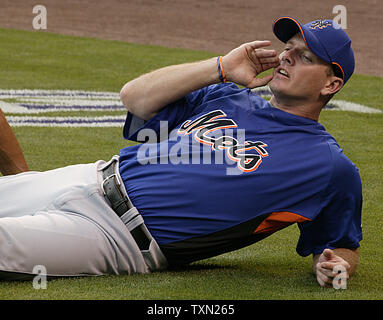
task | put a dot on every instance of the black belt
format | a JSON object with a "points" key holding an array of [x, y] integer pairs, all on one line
{"points": [[121, 203]]}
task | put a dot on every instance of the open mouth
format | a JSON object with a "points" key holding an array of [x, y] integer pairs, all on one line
{"points": [[283, 72]]}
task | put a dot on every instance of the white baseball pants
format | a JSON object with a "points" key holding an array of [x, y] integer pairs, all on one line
{"points": [[59, 219]]}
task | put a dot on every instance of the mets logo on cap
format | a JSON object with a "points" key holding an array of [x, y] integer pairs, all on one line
{"points": [[320, 24]]}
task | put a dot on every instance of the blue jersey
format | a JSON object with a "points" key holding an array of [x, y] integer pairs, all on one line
{"points": [[221, 169]]}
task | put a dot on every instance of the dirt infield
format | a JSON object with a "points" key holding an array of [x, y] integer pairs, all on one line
{"points": [[216, 26]]}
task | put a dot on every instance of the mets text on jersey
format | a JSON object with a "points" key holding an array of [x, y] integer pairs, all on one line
{"points": [[213, 133], [203, 125]]}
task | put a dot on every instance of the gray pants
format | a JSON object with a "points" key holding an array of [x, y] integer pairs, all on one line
{"points": [[59, 219]]}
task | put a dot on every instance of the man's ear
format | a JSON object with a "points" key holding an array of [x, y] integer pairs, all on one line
{"points": [[333, 85]]}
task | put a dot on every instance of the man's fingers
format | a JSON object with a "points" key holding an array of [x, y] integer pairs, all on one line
{"points": [[332, 265], [323, 280], [269, 60], [327, 270], [266, 58], [259, 82], [325, 277], [258, 44], [328, 253], [267, 66], [264, 53], [244, 63], [327, 265]]}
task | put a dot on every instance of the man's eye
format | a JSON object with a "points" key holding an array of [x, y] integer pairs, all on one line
{"points": [[306, 58]]}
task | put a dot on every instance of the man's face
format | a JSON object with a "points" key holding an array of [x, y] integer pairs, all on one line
{"points": [[301, 75]]}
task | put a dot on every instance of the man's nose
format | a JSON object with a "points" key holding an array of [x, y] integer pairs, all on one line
{"points": [[287, 57]]}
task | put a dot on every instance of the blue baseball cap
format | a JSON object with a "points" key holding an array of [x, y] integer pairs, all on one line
{"points": [[325, 38]]}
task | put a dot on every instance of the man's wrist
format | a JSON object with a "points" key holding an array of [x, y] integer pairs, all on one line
{"points": [[221, 71], [213, 71]]}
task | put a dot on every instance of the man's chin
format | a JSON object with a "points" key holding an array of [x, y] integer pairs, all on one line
{"points": [[279, 93], [273, 87]]}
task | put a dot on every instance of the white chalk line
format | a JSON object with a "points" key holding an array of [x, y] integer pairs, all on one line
{"points": [[29, 102], [102, 121], [334, 104]]}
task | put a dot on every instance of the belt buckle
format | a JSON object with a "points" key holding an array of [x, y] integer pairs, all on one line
{"points": [[111, 163], [114, 175]]}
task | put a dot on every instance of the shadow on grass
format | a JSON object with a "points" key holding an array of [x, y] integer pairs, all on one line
{"points": [[197, 267]]}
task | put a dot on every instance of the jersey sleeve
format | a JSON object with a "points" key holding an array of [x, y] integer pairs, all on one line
{"points": [[177, 112], [338, 224]]}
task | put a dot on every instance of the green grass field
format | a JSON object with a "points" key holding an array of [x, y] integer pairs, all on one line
{"points": [[270, 269]]}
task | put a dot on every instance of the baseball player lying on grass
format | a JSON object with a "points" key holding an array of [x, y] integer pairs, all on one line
{"points": [[12, 159], [220, 169]]}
